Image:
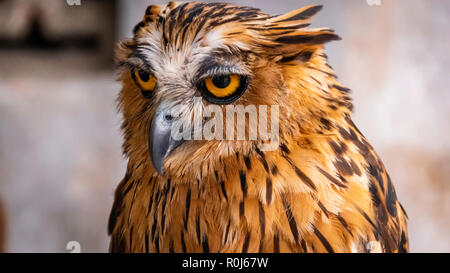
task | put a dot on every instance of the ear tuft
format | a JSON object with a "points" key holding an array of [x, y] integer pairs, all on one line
{"points": [[304, 13], [313, 38], [291, 28]]}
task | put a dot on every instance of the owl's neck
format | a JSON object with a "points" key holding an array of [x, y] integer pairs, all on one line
{"points": [[222, 211]]}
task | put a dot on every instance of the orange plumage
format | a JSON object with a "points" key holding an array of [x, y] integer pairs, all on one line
{"points": [[323, 190]]}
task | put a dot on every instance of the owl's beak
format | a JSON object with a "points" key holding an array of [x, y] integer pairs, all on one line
{"points": [[160, 141]]}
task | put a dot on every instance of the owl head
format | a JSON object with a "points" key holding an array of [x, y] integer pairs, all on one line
{"points": [[186, 58]]}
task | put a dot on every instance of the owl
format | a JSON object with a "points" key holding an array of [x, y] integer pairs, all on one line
{"points": [[322, 188]]}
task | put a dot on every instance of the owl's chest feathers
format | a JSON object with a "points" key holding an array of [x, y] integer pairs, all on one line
{"points": [[286, 201]]}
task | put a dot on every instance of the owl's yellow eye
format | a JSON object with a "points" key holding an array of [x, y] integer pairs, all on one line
{"points": [[223, 89], [145, 80], [223, 86]]}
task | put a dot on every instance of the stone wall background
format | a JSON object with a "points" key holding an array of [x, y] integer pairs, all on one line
{"points": [[60, 155]]}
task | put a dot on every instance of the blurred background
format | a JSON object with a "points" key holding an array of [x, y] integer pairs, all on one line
{"points": [[60, 143]]}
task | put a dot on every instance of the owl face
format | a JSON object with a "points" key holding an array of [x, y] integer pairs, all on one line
{"points": [[187, 57]]}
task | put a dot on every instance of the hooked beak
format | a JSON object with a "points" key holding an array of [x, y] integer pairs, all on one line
{"points": [[160, 140]]}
